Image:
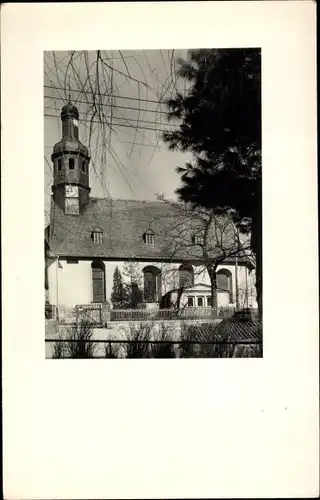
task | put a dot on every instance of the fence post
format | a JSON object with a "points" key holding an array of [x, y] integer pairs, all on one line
{"points": [[105, 313]]}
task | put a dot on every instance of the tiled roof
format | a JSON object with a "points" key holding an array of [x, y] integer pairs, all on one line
{"points": [[123, 223]]}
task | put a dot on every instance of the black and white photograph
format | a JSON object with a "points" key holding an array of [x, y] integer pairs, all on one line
{"points": [[153, 203], [159, 178]]}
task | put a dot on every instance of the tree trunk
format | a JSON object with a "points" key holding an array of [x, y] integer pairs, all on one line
{"points": [[214, 294], [179, 295], [256, 245]]}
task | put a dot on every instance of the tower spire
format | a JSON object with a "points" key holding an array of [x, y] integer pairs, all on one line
{"points": [[69, 86], [71, 164]]}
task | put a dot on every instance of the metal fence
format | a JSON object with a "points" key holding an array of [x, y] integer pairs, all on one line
{"points": [[185, 313], [124, 349], [161, 314], [94, 314], [239, 336]]}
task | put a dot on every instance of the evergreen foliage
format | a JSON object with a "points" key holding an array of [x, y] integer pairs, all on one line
{"points": [[133, 286], [219, 121], [118, 296]]}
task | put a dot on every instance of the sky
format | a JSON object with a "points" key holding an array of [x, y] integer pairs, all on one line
{"points": [[119, 96]]}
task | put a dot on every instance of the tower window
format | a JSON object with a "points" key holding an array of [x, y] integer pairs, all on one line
{"points": [[83, 167], [59, 165], [148, 237], [97, 235], [72, 205], [71, 163]]}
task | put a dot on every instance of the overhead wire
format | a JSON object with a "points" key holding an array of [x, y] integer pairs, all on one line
{"points": [[106, 95], [96, 104], [118, 124]]}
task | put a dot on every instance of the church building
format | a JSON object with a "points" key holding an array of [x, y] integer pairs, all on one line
{"points": [[88, 237]]}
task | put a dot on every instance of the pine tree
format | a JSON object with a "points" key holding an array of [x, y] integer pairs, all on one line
{"points": [[133, 285], [220, 123], [118, 296]]}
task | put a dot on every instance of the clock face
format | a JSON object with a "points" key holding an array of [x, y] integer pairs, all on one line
{"points": [[72, 191]]}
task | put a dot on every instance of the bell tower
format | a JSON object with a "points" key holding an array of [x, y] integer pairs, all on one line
{"points": [[70, 165]]}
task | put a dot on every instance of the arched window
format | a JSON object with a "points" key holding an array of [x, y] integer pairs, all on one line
{"points": [[71, 163], [98, 281], [186, 276], [224, 281], [152, 284], [97, 235], [148, 237], [83, 167], [59, 165]]}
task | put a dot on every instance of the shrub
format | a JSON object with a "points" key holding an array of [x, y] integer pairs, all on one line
{"points": [[139, 337], [165, 349], [203, 333], [187, 350], [59, 349], [81, 337], [112, 350], [220, 349]]}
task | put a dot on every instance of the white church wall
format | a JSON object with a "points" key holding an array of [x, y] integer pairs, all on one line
{"points": [[52, 283], [242, 287], [75, 281], [252, 292]]}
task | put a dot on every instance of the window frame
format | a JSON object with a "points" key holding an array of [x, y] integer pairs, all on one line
{"points": [[228, 275], [98, 265], [192, 298], [149, 237], [155, 272], [200, 297], [97, 236], [198, 239], [184, 268]]}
